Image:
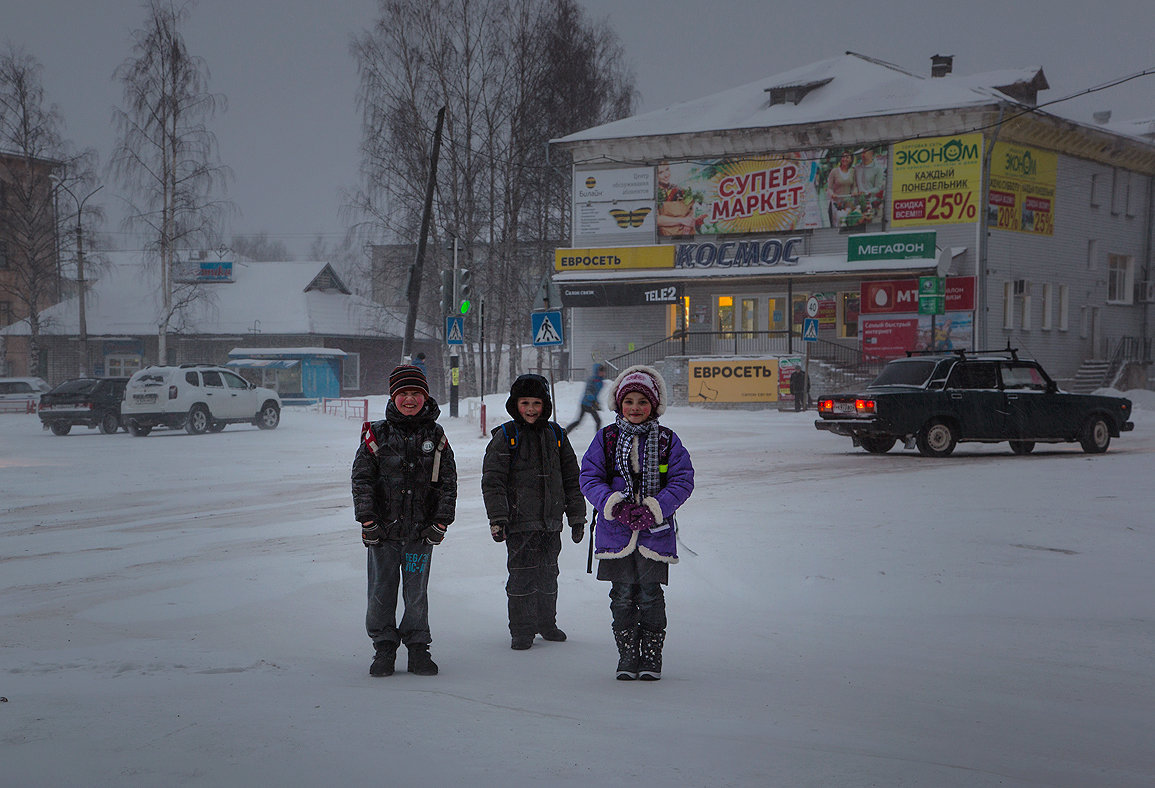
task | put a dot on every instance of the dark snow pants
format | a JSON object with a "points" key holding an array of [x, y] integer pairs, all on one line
{"points": [[590, 409], [406, 563], [636, 605], [531, 558]]}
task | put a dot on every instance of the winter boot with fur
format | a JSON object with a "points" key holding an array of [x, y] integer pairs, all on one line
{"points": [[419, 660], [627, 643], [650, 655], [384, 659]]}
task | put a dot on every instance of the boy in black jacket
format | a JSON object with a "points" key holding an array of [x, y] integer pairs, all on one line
{"points": [[404, 496], [529, 479]]}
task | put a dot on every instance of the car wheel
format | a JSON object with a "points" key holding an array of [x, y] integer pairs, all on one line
{"points": [[269, 416], [1022, 447], [1096, 435], [936, 439], [61, 428], [138, 430], [216, 426], [198, 420], [879, 444], [109, 423]]}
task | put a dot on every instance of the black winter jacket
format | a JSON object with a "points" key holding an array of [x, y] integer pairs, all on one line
{"points": [[539, 486], [394, 486]]}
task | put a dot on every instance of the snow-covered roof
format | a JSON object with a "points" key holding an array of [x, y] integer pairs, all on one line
{"points": [[285, 351], [853, 86], [264, 298]]}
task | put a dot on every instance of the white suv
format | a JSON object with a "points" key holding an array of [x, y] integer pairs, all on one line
{"points": [[21, 395], [199, 397]]}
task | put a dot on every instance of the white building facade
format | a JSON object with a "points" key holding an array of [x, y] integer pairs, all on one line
{"points": [[896, 212]]}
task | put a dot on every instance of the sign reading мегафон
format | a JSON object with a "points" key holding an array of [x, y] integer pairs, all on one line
{"points": [[891, 246]]}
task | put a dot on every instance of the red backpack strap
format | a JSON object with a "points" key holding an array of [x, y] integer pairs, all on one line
{"points": [[368, 438]]}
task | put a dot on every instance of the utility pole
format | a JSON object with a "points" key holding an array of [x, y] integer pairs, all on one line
{"points": [[414, 293], [82, 332]]}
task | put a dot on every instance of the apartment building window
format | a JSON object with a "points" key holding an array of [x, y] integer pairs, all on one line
{"points": [[1022, 291], [1120, 279], [1120, 185], [1064, 307], [1092, 254], [1097, 186], [1048, 306], [1008, 305], [1134, 196], [3, 255], [5, 313]]}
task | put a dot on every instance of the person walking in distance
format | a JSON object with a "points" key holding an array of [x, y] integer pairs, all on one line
{"points": [[636, 473], [529, 480], [404, 497], [590, 403]]}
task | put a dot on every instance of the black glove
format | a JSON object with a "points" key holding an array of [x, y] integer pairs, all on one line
{"points": [[497, 530], [434, 533], [577, 530], [370, 534]]}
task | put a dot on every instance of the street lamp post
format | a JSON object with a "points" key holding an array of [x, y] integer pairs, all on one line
{"points": [[82, 333]]}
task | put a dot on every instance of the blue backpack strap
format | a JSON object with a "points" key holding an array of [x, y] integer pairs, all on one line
{"points": [[507, 428], [558, 433]]}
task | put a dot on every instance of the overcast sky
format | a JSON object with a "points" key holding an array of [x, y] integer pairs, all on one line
{"points": [[291, 130]]}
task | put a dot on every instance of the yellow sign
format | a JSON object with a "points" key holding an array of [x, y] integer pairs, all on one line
{"points": [[937, 181], [734, 380], [1022, 194], [455, 376], [613, 259]]}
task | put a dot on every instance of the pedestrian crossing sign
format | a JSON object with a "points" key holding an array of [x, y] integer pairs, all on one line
{"points": [[810, 329], [546, 328], [455, 330]]}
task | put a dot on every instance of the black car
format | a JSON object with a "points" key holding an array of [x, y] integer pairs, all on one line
{"points": [[933, 401], [93, 402]]}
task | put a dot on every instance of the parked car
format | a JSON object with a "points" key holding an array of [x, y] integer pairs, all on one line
{"points": [[21, 395], [933, 401], [91, 402], [198, 397]]}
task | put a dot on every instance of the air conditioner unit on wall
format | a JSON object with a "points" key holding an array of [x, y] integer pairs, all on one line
{"points": [[1146, 292]]}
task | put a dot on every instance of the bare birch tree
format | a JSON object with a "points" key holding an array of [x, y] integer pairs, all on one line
{"points": [[34, 162], [513, 74], [166, 155]]}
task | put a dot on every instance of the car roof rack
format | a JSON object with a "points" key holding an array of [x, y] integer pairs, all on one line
{"points": [[963, 353], [197, 364]]}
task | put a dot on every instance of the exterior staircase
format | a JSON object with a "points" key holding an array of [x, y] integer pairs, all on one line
{"points": [[1092, 374]]}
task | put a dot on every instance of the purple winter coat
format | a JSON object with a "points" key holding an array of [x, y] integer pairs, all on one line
{"points": [[603, 488]]}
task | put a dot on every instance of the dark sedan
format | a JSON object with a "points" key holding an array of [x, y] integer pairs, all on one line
{"points": [[934, 401], [91, 402]]}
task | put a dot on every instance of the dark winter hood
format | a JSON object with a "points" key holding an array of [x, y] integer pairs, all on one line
{"points": [[529, 386]]}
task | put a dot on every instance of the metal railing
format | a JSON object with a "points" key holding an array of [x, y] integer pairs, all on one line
{"points": [[844, 355], [346, 408]]}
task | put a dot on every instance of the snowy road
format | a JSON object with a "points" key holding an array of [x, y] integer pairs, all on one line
{"points": [[179, 610]]}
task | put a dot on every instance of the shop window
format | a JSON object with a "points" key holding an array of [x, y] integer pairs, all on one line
{"points": [[351, 371], [726, 316], [748, 317], [121, 366], [798, 312], [1120, 279], [776, 314], [849, 309], [678, 316]]}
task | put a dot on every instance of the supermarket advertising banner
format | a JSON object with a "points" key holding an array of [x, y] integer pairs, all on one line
{"points": [[936, 181], [774, 193], [1022, 194]]}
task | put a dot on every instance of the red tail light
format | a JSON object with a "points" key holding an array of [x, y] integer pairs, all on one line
{"points": [[864, 405], [825, 405], [172, 392]]}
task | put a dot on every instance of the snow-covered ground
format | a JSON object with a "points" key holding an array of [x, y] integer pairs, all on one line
{"points": [[179, 610]]}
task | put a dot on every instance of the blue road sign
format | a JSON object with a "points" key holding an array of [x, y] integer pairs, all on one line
{"points": [[547, 328], [455, 330], [810, 329]]}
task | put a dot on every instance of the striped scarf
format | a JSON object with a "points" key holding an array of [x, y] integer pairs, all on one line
{"points": [[651, 476]]}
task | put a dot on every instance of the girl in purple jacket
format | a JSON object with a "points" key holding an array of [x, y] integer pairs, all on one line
{"points": [[636, 474]]}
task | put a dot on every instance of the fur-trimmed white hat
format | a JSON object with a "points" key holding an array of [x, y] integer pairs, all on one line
{"points": [[641, 378]]}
